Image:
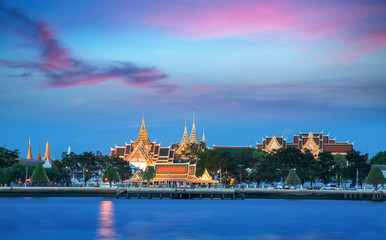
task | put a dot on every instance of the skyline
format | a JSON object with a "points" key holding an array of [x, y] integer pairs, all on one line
{"points": [[78, 75]]}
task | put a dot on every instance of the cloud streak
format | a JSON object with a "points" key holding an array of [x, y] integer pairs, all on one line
{"points": [[62, 70], [306, 100], [352, 25]]}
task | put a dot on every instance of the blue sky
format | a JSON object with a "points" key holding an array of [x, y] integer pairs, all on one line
{"points": [[77, 73]]}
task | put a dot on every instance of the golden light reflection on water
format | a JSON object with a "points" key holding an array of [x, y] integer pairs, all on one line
{"points": [[106, 221]]}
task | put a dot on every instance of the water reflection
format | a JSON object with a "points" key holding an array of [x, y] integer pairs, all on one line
{"points": [[106, 221]]}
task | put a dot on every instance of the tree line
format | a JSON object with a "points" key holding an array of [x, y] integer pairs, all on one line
{"points": [[246, 166], [253, 165], [83, 167]]}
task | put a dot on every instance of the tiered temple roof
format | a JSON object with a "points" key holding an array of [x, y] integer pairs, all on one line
{"points": [[315, 142], [193, 135], [142, 152], [185, 137], [188, 143], [142, 135]]}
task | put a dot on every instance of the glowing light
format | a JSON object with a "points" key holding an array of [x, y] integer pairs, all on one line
{"points": [[106, 228]]}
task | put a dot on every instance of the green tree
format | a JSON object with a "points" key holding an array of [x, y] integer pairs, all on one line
{"points": [[8, 157], [39, 175], [212, 160], [69, 165], [339, 167], [326, 163], [2, 177], [375, 177], [110, 175], [14, 173], [149, 174], [83, 166], [123, 167], [270, 168], [241, 162], [308, 169], [357, 162], [65, 176], [259, 157], [379, 158], [54, 174], [292, 178]]}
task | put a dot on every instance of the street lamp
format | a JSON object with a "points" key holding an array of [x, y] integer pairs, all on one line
{"points": [[168, 174], [219, 171], [240, 166], [26, 175]]}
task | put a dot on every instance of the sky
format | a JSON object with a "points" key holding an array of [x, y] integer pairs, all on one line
{"points": [[78, 73]]}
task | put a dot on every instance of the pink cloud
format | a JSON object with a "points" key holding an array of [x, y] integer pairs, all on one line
{"points": [[62, 70], [299, 20]]}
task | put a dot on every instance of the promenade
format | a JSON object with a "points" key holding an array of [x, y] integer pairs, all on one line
{"points": [[198, 193]]}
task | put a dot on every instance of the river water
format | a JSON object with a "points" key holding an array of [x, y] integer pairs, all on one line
{"points": [[108, 218]]}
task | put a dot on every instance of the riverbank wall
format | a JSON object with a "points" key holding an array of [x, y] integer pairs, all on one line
{"points": [[190, 193]]}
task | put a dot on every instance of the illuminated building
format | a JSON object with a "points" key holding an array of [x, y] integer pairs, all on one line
{"points": [[142, 152], [314, 142]]}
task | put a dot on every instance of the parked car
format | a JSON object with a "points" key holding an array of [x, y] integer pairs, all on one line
{"points": [[286, 187]]}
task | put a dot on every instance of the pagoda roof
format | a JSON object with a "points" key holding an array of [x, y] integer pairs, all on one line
{"points": [[142, 135], [193, 135], [185, 137]]}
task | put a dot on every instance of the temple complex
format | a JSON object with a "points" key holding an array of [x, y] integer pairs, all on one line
{"points": [[143, 153], [314, 142]]}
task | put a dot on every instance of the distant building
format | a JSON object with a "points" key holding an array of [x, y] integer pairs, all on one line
{"points": [[315, 142], [47, 160]]}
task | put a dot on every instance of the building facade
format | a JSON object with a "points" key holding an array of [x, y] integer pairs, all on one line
{"points": [[314, 142]]}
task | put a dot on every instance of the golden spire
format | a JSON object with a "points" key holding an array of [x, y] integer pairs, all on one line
{"points": [[193, 135], [142, 135], [29, 154], [203, 136], [39, 157], [47, 155], [185, 137]]}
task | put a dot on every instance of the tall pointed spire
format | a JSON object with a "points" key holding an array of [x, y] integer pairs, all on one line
{"points": [[203, 136], [143, 117], [47, 155], [39, 157], [29, 154], [185, 137], [193, 135], [142, 135]]}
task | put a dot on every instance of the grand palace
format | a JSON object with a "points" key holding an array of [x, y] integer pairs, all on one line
{"points": [[142, 153], [167, 160]]}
